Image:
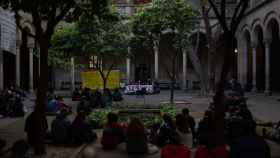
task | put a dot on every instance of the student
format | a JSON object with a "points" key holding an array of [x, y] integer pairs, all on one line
{"points": [[81, 131], [175, 149], [191, 123], [136, 140], [183, 130], [249, 144], [165, 130], [60, 128], [113, 133]]}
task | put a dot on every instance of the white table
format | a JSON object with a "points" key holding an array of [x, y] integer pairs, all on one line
{"points": [[130, 89]]}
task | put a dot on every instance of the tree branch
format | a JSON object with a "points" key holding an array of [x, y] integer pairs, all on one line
{"points": [[51, 25], [240, 16], [220, 18], [223, 9]]}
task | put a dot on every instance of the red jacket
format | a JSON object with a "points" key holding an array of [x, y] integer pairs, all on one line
{"points": [[218, 152], [175, 151]]}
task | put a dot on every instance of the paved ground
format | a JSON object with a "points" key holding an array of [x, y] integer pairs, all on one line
{"points": [[263, 108]]}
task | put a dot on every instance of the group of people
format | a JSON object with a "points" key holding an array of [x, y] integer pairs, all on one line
{"points": [[11, 102], [96, 99], [174, 137], [62, 130], [56, 104]]}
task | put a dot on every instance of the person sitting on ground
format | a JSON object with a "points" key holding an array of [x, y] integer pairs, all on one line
{"points": [[165, 130], [17, 107], [117, 95], [249, 144], [86, 93], [191, 123], [107, 98], [76, 96], [98, 102], [19, 149], [175, 148], [52, 106], [183, 130], [245, 113], [275, 134], [136, 139], [62, 105], [81, 131], [60, 128], [209, 148], [84, 106], [113, 133], [205, 125]]}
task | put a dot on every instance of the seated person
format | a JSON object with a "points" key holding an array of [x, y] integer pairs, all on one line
{"points": [[17, 108], [107, 98], [62, 105], [60, 128], [183, 130], [136, 140], [165, 131], [80, 130], [52, 106], [84, 106], [191, 122], [249, 144], [209, 148], [113, 133], [175, 149], [76, 95], [117, 95]]}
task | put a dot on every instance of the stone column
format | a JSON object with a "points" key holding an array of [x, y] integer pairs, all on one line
{"points": [[156, 51], [267, 43], [73, 73], [128, 69], [245, 65], [31, 78], [18, 66], [254, 48], [185, 64], [1, 70]]}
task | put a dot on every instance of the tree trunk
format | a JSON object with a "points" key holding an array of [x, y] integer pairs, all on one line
{"points": [[104, 83], [40, 115], [219, 98]]}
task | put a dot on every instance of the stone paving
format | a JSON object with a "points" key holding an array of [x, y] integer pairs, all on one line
{"points": [[263, 108]]}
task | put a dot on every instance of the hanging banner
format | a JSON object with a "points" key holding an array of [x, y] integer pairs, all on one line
{"points": [[93, 79]]}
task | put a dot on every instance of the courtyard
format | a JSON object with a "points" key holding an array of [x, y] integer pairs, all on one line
{"points": [[139, 78]]}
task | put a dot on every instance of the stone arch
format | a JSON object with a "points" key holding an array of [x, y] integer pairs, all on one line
{"points": [[248, 54], [273, 40], [256, 27], [257, 41], [270, 16]]}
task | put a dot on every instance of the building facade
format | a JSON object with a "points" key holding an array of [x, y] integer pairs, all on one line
{"points": [[7, 49], [259, 47]]}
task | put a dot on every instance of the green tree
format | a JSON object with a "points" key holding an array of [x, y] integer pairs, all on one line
{"points": [[44, 16], [172, 19], [106, 38]]}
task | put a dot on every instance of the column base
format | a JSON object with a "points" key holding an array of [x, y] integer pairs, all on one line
{"points": [[254, 89], [268, 93]]}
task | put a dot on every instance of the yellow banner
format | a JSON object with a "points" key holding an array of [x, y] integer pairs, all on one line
{"points": [[93, 79]]}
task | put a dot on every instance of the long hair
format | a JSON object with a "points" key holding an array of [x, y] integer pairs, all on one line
{"points": [[182, 123]]}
